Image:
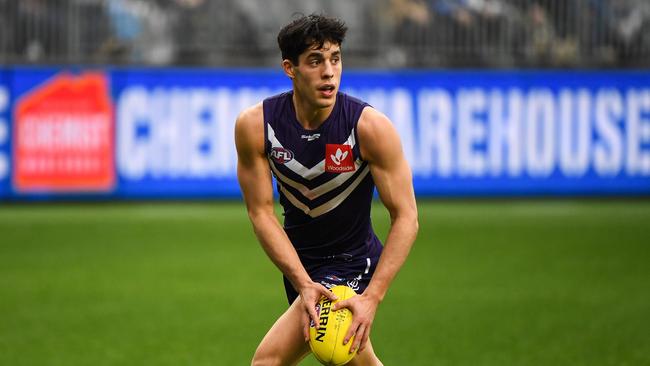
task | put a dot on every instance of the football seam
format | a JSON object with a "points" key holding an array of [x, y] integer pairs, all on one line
{"points": [[345, 294]]}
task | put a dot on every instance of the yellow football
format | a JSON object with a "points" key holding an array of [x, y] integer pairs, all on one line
{"points": [[326, 341]]}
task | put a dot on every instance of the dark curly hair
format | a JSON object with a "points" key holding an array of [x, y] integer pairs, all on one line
{"points": [[307, 30]]}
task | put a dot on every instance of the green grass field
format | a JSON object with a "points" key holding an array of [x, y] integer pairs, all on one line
{"points": [[543, 282]]}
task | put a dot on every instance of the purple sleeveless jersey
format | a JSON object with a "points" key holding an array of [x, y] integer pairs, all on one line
{"points": [[326, 190]]}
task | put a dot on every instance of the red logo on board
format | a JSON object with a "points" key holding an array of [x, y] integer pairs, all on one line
{"points": [[64, 136], [338, 158]]}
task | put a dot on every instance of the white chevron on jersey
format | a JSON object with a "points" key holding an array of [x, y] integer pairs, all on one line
{"points": [[320, 190], [329, 205], [295, 165]]}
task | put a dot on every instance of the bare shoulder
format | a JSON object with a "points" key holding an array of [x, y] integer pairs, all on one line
{"points": [[250, 119], [377, 135], [372, 121], [249, 129]]}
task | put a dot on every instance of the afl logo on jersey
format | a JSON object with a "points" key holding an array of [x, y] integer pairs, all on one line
{"points": [[281, 155]]}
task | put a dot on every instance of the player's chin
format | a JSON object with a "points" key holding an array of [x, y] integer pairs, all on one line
{"points": [[326, 101]]}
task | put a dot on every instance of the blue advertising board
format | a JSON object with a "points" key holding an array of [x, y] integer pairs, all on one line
{"points": [[5, 133], [473, 133], [175, 128], [518, 133]]}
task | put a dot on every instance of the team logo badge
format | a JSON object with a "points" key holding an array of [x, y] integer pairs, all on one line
{"points": [[354, 284], [338, 158], [281, 155]]}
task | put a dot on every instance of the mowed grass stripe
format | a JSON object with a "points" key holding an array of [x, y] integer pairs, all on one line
{"points": [[488, 283]]}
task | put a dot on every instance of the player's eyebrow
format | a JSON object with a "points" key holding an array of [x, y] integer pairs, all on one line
{"points": [[315, 54], [319, 55]]}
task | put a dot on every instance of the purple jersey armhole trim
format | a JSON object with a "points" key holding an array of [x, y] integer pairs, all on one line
{"points": [[356, 130]]}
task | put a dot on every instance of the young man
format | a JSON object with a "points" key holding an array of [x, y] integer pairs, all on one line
{"points": [[327, 151]]}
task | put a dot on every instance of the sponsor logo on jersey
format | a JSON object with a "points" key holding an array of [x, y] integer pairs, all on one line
{"points": [[310, 137], [338, 158], [281, 155]]}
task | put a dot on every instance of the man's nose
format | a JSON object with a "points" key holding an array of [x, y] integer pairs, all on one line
{"points": [[328, 71]]}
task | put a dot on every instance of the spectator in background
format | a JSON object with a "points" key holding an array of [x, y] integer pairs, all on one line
{"points": [[141, 32], [595, 46], [40, 31], [500, 26], [540, 35], [629, 25], [264, 25], [125, 30], [551, 16], [385, 33], [360, 16], [409, 22], [6, 29], [190, 19], [216, 33], [456, 29], [90, 28]]}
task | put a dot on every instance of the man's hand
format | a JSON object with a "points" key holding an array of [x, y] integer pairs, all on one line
{"points": [[310, 294], [363, 310]]}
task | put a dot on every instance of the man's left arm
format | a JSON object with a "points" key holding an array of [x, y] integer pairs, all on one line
{"points": [[381, 148]]}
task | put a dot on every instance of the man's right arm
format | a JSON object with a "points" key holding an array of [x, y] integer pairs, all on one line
{"points": [[256, 184]]}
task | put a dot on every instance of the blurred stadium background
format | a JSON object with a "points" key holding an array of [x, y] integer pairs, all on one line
{"points": [[384, 33], [123, 239]]}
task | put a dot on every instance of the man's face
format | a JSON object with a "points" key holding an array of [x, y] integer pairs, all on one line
{"points": [[318, 74]]}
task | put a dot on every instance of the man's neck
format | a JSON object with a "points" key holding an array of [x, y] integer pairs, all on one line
{"points": [[309, 116]]}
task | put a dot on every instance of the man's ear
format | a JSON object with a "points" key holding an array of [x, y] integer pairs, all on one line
{"points": [[287, 66]]}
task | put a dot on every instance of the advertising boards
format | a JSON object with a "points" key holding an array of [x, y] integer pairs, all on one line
{"points": [[5, 132], [168, 133]]}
